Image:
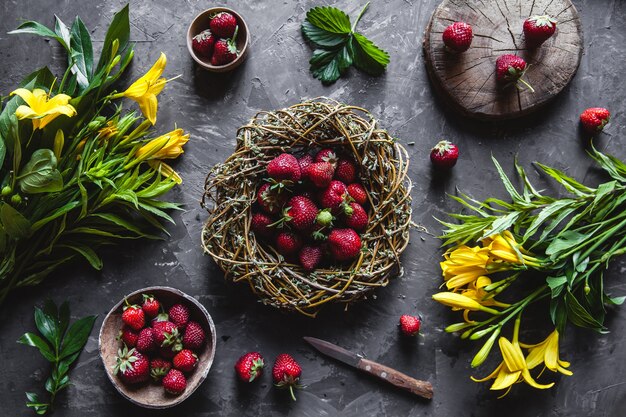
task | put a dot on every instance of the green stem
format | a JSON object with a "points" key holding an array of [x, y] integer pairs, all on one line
{"points": [[360, 16]]}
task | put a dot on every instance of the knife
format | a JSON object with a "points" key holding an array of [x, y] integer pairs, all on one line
{"points": [[400, 380]]}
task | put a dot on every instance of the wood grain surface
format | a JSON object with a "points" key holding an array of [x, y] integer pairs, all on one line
{"points": [[422, 388], [467, 80]]}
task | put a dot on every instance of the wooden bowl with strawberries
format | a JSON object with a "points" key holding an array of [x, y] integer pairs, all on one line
{"points": [[157, 345]]}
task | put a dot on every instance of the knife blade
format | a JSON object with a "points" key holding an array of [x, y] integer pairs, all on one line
{"points": [[422, 388]]}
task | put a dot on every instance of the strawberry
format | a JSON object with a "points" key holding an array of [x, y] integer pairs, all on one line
{"points": [[327, 155], [223, 25], [150, 306], [594, 119], [344, 244], [410, 325], [345, 171], [286, 373], [310, 257], [146, 342], [356, 217], [133, 316], [260, 225], [284, 167], [334, 196], [320, 173], [288, 243], [304, 162], [444, 154], [167, 352], [270, 200], [159, 368], [194, 336], [301, 213], [166, 336], [225, 51], [458, 37], [174, 382], [179, 315], [510, 69], [128, 336], [203, 43], [358, 193], [538, 29], [185, 360], [132, 366], [250, 366]]}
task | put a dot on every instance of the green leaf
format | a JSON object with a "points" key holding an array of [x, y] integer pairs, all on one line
{"points": [[321, 37], [361, 56], [502, 223], [40, 175], [56, 214], [34, 403], [14, 223], [47, 326], [64, 317], [62, 31], [515, 196], [558, 314], [328, 66], [89, 254], [563, 242], [31, 339], [82, 53], [546, 213], [77, 336], [617, 301], [373, 51], [329, 19], [579, 316], [556, 285], [35, 28], [120, 30]]}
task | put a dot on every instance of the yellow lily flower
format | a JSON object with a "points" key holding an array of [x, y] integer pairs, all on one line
{"points": [[461, 302], [503, 247], [547, 352], [464, 265], [167, 146], [476, 292], [109, 130], [41, 108], [146, 88], [165, 170]]}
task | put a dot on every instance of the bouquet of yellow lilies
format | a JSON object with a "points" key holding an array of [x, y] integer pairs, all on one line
{"points": [[565, 241], [77, 171]]}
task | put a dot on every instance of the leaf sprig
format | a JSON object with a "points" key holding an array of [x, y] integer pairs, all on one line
{"points": [[60, 344], [338, 46]]}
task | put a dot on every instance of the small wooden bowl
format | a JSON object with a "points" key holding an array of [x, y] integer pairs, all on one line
{"points": [[201, 22], [151, 395]]}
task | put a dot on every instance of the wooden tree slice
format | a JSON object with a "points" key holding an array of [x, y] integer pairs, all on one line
{"points": [[468, 80]]}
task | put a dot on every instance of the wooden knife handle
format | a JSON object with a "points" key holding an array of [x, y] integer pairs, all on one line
{"points": [[400, 380]]}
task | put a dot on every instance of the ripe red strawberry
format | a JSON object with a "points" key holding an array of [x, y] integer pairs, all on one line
{"points": [[174, 382], [410, 325], [203, 43], [260, 225], [133, 316], [132, 366], [185, 360], [286, 373], [250, 366], [444, 154], [538, 29], [166, 335], [284, 167], [510, 69], [304, 162], [146, 342], [159, 368], [356, 217], [320, 173], [128, 336], [310, 257], [345, 171], [194, 336], [179, 315], [458, 37], [270, 200], [334, 196], [344, 244], [288, 243], [358, 193], [225, 51], [167, 352], [327, 155], [301, 213], [150, 306], [594, 119], [223, 25]]}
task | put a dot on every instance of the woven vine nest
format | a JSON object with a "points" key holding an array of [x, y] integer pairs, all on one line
{"points": [[231, 190]]}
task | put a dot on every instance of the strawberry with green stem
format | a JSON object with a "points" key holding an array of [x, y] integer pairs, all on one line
{"points": [[225, 50], [510, 70], [286, 373], [249, 366]]}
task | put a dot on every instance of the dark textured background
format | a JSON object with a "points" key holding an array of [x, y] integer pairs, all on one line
{"points": [[275, 75]]}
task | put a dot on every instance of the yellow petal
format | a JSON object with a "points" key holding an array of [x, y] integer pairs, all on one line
{"points": [[512, 355], [456, 300], [148, 105], [530, 381], [165, 170], [59, 100], [26, 95], [490, 376], [505, 379], [25, 112]]}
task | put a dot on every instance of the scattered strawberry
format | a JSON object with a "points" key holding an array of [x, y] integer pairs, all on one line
{"points": [[286, 373], [179, 315], [260, 225], [194, 336], [132, 366], [538, 29], [345, 171], [250, 366], [344, 244], [358, 193], [334, 196], [510, 69], [288, 243], [356, 217], [166, 335], [185, 360], [594, 119], [310, 257], [284, 167], [320, 173], [159, 368], [458, 37], [270, 200], [444, 154], [133, 316], [174, 382], [301, 213], [410, 325], [223, 25], [203, 43], [150, 306], [128, 336], [146, 342], [224, 52], [327, 155], [304, 162]]}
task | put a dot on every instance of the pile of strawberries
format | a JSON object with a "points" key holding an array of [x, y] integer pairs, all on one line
{"points": [[158, 345], [218, 42], [312, 208]]}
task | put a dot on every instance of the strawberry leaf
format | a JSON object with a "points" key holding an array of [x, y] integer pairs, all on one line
{"points": [[322, 37], [367, 56], [329, 19]]}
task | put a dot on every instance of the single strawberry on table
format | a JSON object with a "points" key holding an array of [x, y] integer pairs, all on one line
{"points": [[133, 316], [594, 119], [174, 382], [284, 167], [510, 69], [358, 193], [356, 216], [538, 29], [344, 244], [150, 306], [286, 373], [288, 243], [310, 257], [223, 25], [194, 336], [132, 366], [345, 171], [185, 360], [179, 315], [249, 366], [410, 325], [146, 341], [458, 37], [159, 367], [225, 51], [203, 43], [444, 154]]}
